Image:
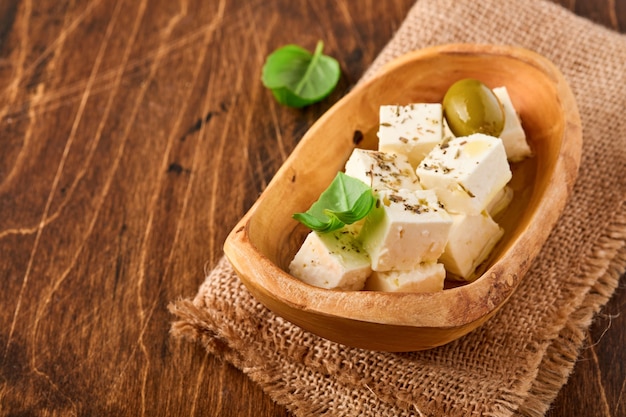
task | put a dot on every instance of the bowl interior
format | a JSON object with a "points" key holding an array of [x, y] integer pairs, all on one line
{"points": [[267, 238], [533, 94]]}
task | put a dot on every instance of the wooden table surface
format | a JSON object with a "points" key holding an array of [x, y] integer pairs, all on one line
{"points": [[133, 135]]}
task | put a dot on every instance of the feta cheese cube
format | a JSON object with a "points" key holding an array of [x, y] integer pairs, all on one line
{"points": [[333, 260], [405, 229], [411, 130], [382, 170], [500, 202], [471, 240], [466, 172], [513, 136], [426, 277]]}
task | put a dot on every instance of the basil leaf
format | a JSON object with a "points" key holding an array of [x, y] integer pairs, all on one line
{"points": [[298, 78], [345, 201]]}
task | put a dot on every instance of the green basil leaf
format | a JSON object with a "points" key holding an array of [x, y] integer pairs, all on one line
{"points": [[298, 78], [328, 224], [345, 201]]}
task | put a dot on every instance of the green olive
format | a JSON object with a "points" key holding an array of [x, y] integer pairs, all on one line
{"points": [[469, 107]]}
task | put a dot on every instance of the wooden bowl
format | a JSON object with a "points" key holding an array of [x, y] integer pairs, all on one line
{"points": [[262, 244]]}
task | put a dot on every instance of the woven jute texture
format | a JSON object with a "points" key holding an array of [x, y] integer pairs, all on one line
{"points": [[515, 363]]}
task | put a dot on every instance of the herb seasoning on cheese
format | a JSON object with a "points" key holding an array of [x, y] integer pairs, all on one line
{"points": [[436, 199]]}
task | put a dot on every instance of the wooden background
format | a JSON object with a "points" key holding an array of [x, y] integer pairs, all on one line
{"points": [[133, 135]]}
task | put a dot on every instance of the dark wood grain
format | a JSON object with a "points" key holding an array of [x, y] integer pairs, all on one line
{"points": [[133, 136]]}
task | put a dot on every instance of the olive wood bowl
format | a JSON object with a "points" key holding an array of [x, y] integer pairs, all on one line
{"points": [[263, 243]]}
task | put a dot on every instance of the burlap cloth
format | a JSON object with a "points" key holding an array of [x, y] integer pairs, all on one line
{"points": [[516, 363]]}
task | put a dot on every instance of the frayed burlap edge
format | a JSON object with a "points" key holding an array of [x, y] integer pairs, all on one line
{"points": [[194, 324]]}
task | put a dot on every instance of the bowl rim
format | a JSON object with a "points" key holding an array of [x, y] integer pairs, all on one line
{"points": [[485, 294]]}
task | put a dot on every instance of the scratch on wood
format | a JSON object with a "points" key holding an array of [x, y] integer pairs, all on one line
{"points": [[100, 200], [603, 400], [261, 163], [197, 390], [332, 39], [13, 86], [19, 231], [174, 167], [56, 388], [164, 164], [619, 400], [54, 99], [613, 15], [31, 259], [40, 229], [277, 131], [222, 139], [13, 89], [260, 56], [21, 59], [81, 109], [104, 82], [208, 36]]}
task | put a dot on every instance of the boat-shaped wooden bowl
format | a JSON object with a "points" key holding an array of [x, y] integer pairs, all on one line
{"points": [[261, 246]]}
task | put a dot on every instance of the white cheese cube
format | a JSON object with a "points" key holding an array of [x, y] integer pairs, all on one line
{"points": [[411, 130], [382, 170], [426, 277], [500, 202], [405, 229], [513, 135], [471, 240], [333, 260], [466, 172]]}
